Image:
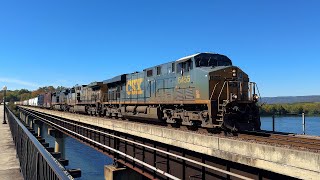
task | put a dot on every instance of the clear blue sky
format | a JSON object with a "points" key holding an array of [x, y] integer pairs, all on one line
{"points": [[72, 42]]}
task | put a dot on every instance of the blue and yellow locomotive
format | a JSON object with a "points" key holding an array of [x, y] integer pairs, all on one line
{"points": [[201, 90]]}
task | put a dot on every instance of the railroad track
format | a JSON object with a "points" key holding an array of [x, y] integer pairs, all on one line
{"points": [[284, 139], [79, 130], [264, 137]]}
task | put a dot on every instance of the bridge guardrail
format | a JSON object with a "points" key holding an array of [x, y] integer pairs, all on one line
{"points": [[35, 162]]}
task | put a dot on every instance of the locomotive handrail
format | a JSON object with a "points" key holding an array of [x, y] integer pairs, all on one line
{"points": [[214, 89], [258, 91], [250, 90], [175, 88], [252, 87], [158, 94], [224, 84], [158, 90], [165, 88]]}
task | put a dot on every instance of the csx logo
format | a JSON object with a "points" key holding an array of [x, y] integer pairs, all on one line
{"points": [[134, 86]]}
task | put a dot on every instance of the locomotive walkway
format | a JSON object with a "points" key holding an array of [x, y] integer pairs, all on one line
{"points": [[9, 163], [266, 158]]}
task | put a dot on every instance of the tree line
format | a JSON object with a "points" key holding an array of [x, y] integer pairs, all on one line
{"points": [[291, 109], [24, 94]]}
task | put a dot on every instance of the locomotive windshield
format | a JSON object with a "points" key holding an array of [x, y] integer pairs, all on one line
{"points": [[212, 60]]}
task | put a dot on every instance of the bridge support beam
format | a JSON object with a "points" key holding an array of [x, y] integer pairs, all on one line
{"points": [[115, 173], [38, 126], [60, 147], [59, 141], [23, 116], [31, 122], [26, 120]]}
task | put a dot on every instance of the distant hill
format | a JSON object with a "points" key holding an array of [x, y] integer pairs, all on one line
{"points": [[290, 99]]}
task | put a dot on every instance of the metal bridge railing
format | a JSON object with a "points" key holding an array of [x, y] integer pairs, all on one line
{"points": [[35, 162]]}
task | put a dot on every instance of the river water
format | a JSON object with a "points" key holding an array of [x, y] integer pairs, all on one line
{"points": [[292, 124], [92, 162]]}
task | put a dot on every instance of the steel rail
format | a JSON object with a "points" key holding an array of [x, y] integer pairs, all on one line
{"points": [[284, 140], [294, 137], [152, 148]]}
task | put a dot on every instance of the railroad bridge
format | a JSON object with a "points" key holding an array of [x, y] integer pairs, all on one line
{"points": [[158, 152]]}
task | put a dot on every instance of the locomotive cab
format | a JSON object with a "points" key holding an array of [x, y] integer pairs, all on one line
{"points": [[232, 96], [220, 93], [225, 91]]}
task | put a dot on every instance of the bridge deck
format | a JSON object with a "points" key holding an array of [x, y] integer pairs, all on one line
{"points": [[286, 161], [9, 163]]}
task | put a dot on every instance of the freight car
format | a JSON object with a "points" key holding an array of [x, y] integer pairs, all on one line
{"points": [[47, 100], [41, 100], [202, 90], [33, 102]]}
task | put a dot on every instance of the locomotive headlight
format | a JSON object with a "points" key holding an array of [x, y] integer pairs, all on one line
{"points": [[234, 73], [256, 97], [234, 96]]}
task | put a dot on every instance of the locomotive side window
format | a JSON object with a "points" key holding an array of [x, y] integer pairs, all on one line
{"points": [[185, 66], [173, 65], [180, 68], [158, 70], [149, 73], [189, 65]]}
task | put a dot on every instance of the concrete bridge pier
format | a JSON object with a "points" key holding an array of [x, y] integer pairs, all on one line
{"points": [[59, 141], [26, 120], [60, 146], [22, 116], [31, 124], [37, 126]]}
